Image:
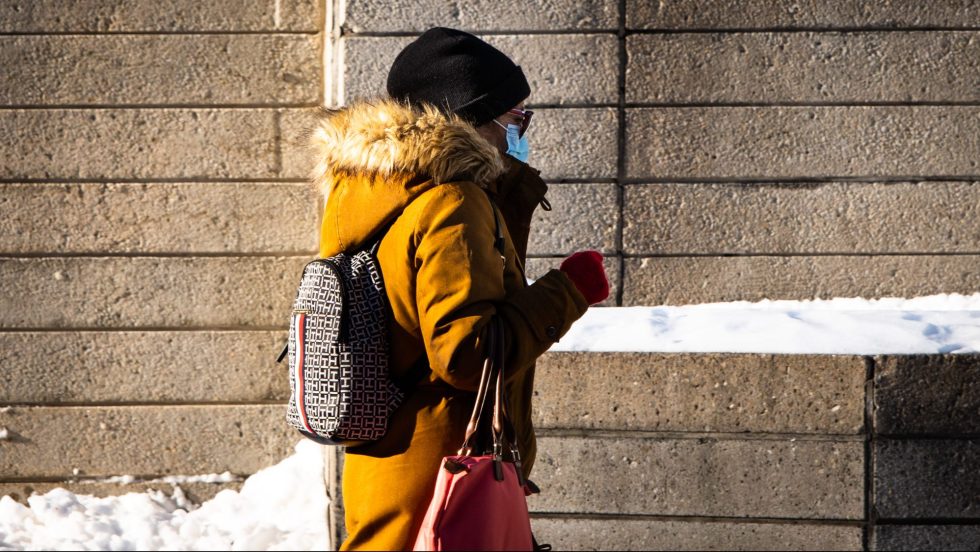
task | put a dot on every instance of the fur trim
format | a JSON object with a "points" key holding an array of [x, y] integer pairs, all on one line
{"points": [[385, 136]]}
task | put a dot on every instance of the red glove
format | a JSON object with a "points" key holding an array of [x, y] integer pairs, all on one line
{"points": [[587, 273]]}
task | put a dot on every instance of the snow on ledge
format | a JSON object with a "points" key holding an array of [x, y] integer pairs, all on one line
{"points": [[945, 323]]}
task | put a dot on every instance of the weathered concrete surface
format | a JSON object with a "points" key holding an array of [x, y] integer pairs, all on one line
{"points": [[143, 441], [642, 534], [133, 292], [33, 16], [927, 394], [554, 65], [700, 477], [583, 216], [925, 537], [815, 141], [169, 69], [295, 129], [574, 143], [701, 392], [539, 266], [927, 478], [764, 14], [113, 367], [577, 143], [139, 143], [688, 280], [185, 217], [195, 492], [804, 67], [832, 217], [480, 15]]}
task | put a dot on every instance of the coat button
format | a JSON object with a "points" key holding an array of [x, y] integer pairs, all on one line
{"points": [[551, 332]]}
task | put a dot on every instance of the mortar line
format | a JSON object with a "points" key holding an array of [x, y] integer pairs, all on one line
{"points": [[693, 518], [175, 180], [813, 29], [14, 405], [805, 254], [867, 532], [656, 31], [323, 21], [92, 479], [620, 152], [157, 33], [632, 181], [157, 106], [800, 179], [927, 521], [639, 434], [556, 106], [155, 255], [347, 33], [827, 103], [144, 329], [277, 139]]}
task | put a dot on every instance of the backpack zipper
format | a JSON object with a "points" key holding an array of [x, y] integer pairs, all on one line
{"points": [[342, 331]]}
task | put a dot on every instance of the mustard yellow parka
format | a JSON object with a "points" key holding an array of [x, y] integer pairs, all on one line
{"points": [[381, 162]]}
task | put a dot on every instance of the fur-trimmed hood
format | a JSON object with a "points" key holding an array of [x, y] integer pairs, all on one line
{"points": [[380, 154]]}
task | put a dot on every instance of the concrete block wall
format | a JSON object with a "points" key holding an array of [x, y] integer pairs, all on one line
{"points": [[154, 217], [719, 151], [784, 144], [679, 451], [151, 236]]}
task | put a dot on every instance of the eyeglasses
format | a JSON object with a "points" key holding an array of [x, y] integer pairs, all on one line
{"points": [[525, 119]]}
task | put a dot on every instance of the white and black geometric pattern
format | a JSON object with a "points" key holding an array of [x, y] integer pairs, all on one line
{"points": [[338, 351]]}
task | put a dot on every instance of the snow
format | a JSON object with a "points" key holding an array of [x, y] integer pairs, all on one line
{"points": [[945, 323], [282, 507]]}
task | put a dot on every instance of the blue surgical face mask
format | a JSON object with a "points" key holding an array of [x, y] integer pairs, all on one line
{"points": [[517, 146]]}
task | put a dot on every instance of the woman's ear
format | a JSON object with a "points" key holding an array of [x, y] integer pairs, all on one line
{"points": [[491, 133]]}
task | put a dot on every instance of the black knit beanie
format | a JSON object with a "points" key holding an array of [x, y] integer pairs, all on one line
{"points": [[458, 73]]}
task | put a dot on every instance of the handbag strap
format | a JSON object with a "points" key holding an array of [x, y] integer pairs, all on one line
{"points": [[501, 425]]}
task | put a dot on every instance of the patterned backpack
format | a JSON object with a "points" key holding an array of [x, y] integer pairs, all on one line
{"points": [[341, 393], [341, 390]]}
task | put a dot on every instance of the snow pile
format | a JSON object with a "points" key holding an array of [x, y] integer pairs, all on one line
{"points": [[282, 507], [946, 323]]}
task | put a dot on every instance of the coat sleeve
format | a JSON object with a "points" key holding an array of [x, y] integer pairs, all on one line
{"points": [[460, 286]]}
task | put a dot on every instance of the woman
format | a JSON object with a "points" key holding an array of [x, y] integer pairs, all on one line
{"points": [[428, 161]]}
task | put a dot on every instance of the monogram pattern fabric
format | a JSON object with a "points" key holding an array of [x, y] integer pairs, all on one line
{"points": [[338, 351]]}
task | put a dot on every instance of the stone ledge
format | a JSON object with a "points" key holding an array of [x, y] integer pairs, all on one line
{"points": [[819, 394], [925, 537], [927, 478], [159, 69], [133, 367], [691, 280], [184, 217], [810, 67], [763, 14], [927, 394], [817, 141], [108, 16], [144, 441], [777, 218], [479, 15], [115, 292], [700, 477], [657, 534]]}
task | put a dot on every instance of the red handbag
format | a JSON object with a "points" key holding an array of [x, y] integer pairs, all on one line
{"points": [[479, 501]]}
